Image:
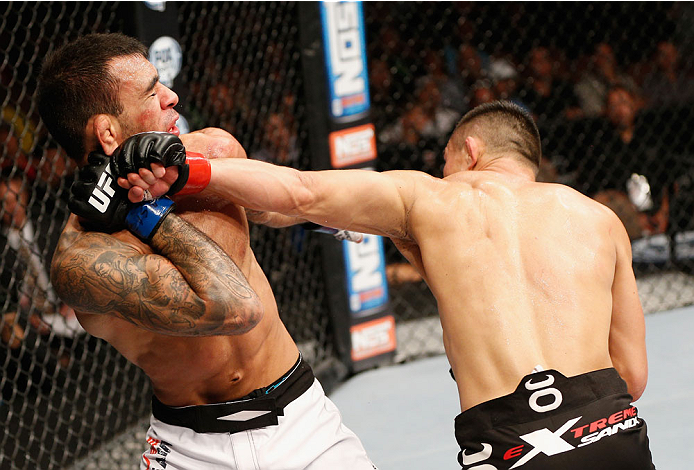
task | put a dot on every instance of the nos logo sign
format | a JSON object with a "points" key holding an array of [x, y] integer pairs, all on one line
{"points": [[345, 56], [366, 274]]}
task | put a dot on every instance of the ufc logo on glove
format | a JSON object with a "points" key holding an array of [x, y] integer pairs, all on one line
{"points": [[103, 192]]}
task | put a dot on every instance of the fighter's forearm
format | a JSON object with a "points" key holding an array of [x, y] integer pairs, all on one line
{"points": [[272, 219], [210, 273], [259, 186], [357, 200], [198, 291]]}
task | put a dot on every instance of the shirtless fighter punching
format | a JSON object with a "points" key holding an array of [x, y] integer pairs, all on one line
{"points": [[542, 323]]}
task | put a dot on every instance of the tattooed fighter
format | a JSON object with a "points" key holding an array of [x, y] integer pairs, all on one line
{"points": [[176, 283]]}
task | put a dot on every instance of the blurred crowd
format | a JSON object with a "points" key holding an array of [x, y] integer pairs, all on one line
{"points": [[36, 329], [614, 125]]}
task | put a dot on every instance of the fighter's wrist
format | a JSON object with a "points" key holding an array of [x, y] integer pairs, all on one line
{"points": [[194, 175], [145, 218]]}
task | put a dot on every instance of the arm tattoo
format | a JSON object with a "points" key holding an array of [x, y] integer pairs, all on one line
{"points": [[194, 289]]}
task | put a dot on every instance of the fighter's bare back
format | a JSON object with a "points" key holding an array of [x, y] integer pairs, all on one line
{"points": [[506, 278]]}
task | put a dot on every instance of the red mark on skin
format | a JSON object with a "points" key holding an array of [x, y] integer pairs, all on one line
{"points": [[147, 120]]}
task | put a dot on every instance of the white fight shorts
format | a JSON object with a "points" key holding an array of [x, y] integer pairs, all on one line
{"points": [[309, 434]]}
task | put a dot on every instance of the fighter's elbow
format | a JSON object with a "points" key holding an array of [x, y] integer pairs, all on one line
{"points": [[54, 277], [67, 287], [248, 317], [303, 194], [236, 317], [636, 384]]}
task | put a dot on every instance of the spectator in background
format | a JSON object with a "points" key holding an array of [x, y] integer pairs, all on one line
{"points": [[412, 126], [472, 65], [439, 118], [601, 75], [26, 288], [451, 89], [24, 277], [14, 123], [473, 68], [505, 80], [279, 141], [667, 85], [382, 92], [482, 92], [625, 163], [11, 149], [424, 127], [27, 300], [228, 100], [53, 166], [547, 95], [401, 58]]}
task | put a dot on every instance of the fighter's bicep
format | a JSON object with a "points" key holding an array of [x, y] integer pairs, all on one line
{"points": [[366, 200]]}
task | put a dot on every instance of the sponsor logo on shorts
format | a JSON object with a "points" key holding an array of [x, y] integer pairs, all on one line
{"points": [[606, 427], [567, 437], [352, 146], [373, 338], [158, 451]]}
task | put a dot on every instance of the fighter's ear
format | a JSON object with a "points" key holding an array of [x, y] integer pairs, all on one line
{"points": [[473, 147], [107, 132]]}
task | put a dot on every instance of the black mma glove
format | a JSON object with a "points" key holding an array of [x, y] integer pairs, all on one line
{"points": [[96, 197], [141, 150]]}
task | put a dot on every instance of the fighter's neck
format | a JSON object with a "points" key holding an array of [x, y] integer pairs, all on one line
{"points": [[504, 167]]}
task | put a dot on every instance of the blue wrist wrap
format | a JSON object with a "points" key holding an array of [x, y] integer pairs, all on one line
{"points": [[144, 219]]}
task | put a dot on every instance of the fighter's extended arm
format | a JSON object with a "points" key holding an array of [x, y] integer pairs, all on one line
{"points": [[212, 143], [627, 341], [272, 219], [359, 200]]}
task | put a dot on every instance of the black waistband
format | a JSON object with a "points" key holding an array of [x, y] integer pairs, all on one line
{"points": [[513, 409], [259, 408]]}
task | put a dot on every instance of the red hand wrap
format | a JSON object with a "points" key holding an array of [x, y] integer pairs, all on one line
{"points": [[199, 173]]}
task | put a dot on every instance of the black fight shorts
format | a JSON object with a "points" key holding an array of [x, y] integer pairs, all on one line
{"points": [[551, 422]]}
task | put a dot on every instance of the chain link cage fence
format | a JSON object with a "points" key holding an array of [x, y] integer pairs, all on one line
{"points": [[610, 85]]}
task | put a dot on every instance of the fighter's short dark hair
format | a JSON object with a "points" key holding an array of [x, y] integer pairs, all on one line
{"points": [[75, 84], [505, 127]]}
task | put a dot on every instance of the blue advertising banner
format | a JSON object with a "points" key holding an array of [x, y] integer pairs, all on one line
{"points": [[366, 275], [345, 58]]}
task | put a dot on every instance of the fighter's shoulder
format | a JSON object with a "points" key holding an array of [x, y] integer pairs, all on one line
{"points": [[213, 142], [599, 213], [458, 186], [417, 188]]}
